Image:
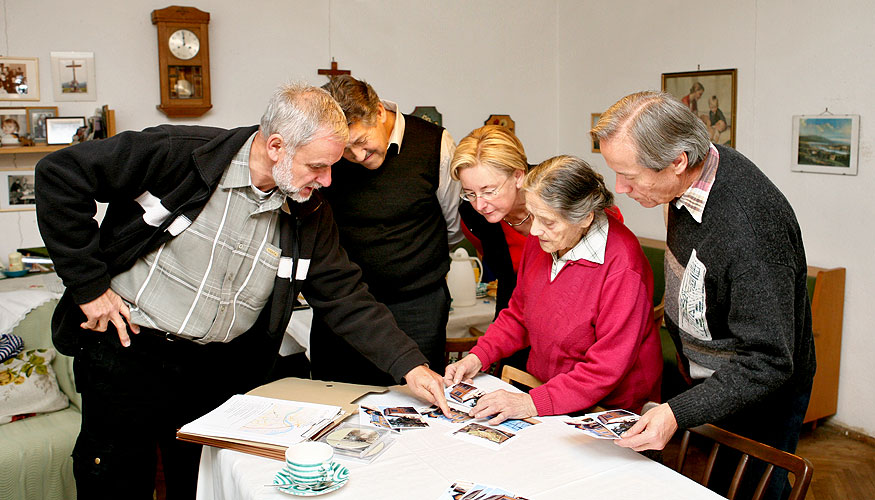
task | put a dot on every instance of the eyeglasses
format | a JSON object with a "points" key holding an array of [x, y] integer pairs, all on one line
{"points": [[486, 195]]}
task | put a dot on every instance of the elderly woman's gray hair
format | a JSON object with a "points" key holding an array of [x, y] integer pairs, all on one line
{"points": [[301, 113], [570, 187], [660, 127]]}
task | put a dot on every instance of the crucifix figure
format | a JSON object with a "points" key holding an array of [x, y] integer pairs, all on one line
{"points": [[74, 84], [331, 73]]}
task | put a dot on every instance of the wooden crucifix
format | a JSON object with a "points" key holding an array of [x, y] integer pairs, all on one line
{"points": [[334, 71], [73, 66]]}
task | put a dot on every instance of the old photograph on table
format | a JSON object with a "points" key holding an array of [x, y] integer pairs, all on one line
{"points": [[484, 435], [463, 394], [456, 416], [17, 190], [373, 417], [403, 417], [468, 490]]}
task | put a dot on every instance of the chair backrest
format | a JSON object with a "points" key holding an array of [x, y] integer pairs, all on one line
{"points": [[460, 345], [510, 375], [801, 468]]}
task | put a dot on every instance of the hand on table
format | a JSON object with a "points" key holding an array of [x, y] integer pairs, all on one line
{"points": [[109, 308], [429, 386], [504, 405], [462, 370], [652, 431]]}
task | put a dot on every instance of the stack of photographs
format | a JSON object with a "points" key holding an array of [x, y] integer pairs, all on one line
{"points": [[396, 418], [609, 424], [465, 490], [358, 441]]}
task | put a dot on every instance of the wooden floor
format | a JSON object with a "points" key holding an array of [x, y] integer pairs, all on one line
{"points": [[844, 468]]}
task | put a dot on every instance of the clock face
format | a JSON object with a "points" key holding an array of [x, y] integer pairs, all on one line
{"points": [[184, 44]]}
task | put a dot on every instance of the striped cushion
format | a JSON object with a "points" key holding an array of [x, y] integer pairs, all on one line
{"points": [[10, 345]]}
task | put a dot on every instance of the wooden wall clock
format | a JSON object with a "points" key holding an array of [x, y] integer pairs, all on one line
{"points": [[183, 61]]}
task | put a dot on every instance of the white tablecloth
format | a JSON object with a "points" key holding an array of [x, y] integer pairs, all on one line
{"points": [[549, 461]]}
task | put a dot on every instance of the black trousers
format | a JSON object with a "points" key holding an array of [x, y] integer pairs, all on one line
{"points": [[135, 398], [423, 318]]}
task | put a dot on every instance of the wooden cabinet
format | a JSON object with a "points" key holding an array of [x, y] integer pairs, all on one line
{"points": [[827, 292]]}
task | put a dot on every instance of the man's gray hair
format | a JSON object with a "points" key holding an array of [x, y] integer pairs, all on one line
{"points": [[570, 187], [660, 126], [301, 113]]}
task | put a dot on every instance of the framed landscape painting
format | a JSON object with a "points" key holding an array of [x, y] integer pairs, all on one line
{"points": [[710, 95], [826, 144]]}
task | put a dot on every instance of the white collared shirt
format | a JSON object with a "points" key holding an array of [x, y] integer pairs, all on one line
{"points": [[591, 247], [448, 189]]}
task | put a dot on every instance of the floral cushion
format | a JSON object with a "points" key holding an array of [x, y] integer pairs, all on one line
{"points": [[28, 385]]}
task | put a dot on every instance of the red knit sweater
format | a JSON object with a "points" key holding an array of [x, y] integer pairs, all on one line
{"points": [[591, 330]]}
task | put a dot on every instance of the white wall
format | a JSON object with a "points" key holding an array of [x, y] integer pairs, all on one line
{"points": [[548, 64], [793, 57], [468, 59]]}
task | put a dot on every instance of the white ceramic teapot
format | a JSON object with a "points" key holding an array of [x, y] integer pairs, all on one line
{"points": [[461, 280]]}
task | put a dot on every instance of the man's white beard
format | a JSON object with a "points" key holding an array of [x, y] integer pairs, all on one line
{"points": [[285, 180]]}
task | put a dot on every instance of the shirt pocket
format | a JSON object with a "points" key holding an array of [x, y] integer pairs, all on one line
{"points": [[258, 288]]}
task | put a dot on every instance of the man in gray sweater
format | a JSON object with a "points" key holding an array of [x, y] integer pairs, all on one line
{"points": [[736, 301]]}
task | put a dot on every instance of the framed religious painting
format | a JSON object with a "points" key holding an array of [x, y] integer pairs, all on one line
{"points": [[711, 96], [826, 144], [36, 121], [16, 190], [19, 79], [73, 76]]}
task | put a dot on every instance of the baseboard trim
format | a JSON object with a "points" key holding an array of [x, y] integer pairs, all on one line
{"points": [[852, 433]]}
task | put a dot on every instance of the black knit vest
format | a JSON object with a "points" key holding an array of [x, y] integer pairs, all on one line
{"points": [[390, 219]]}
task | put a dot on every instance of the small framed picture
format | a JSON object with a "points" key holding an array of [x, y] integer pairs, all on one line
{"points": [[710, 95], [13, 125], [64, 129], [73, 76], [594, 120], [502, 120], [36, 121], [826, 144], [16, 190], [19, 79]]}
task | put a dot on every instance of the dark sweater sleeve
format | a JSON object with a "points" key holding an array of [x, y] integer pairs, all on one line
{"points": [[69, 182], [334, 287], [761, 319]]}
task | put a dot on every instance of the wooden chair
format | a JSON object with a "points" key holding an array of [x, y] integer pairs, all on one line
{"points": [[510, 375], [801, 468]]}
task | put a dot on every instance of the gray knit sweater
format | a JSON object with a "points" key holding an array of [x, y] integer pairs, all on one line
{"points": [[736, 296]]}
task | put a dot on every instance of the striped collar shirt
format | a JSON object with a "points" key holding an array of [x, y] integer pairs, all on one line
{"points": [[695, 197], [591, 247], [211, 281]]}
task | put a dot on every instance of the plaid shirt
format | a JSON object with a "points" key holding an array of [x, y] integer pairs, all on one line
{"points": [[696, 196], [591, 247], [211, 281]]}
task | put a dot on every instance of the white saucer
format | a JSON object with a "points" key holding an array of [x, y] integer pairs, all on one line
{"points": [[339, 474]]}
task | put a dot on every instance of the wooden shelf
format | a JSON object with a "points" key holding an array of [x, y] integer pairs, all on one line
{"points": [[30, 149]]}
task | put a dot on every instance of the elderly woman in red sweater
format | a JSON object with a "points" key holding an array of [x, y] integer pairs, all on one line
{"points": [[583, 303]]}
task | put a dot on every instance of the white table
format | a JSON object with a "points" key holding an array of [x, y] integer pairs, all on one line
{"points": [[549, 461]]}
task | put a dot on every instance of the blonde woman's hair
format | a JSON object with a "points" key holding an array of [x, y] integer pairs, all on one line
{"points": [[570, 187], [490, 145]]}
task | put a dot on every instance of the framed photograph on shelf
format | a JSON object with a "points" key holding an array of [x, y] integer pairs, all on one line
{"points": [[826, 144], [710, 95], [593, 122], [36, 121], [13, 125], [62, 130], [73, 76], [19, 79], [16, 190]]}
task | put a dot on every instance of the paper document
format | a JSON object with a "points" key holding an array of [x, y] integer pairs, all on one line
{"points": [[264, 420]]}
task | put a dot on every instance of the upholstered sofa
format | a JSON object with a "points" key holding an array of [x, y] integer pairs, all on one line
{"points": [[35, 452]]}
